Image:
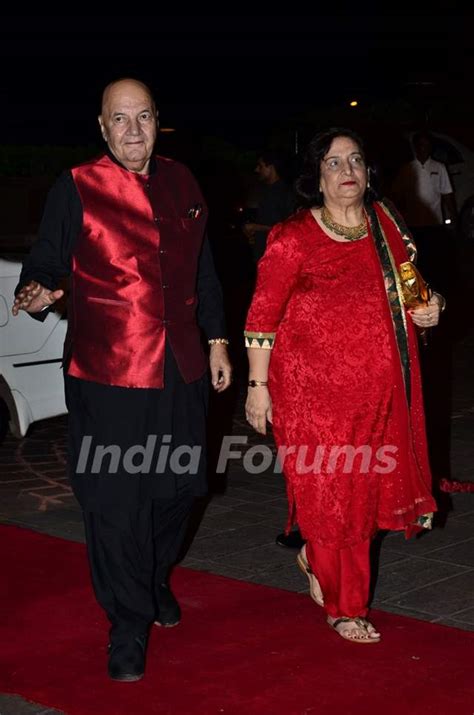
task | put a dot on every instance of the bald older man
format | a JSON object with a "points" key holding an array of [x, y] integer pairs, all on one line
{"points": [[128, 227]]}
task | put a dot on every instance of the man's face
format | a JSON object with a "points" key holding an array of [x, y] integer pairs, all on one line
{"points": [[423, 149], [128, 124], [263, 170]]}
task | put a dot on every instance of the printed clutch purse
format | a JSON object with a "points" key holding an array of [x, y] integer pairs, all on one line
{"points": [[415, 289]]}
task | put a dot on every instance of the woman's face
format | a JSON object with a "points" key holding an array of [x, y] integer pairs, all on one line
{"points": [[343, 172]]}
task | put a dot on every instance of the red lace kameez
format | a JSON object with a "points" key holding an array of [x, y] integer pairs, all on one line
{"points": [[336, 380]]}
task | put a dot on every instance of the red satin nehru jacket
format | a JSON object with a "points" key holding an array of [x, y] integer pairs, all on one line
{"points": [[134, 274]]}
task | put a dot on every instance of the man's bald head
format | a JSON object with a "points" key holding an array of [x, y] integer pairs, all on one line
{"points": [[123, 85], [128, 123]]}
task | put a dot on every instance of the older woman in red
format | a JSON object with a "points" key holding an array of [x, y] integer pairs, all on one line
{"points": [[334, 366]]}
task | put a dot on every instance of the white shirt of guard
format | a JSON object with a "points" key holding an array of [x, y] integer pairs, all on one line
{"points": [[426, 184]]}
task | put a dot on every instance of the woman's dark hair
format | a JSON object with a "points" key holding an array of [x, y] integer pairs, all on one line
{"points": [[307, 184]]}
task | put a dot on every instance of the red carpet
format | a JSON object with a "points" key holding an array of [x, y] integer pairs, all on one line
{"points": [[241, 649]]}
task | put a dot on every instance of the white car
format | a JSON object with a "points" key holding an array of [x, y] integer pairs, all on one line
{"points": [[31, 376]]}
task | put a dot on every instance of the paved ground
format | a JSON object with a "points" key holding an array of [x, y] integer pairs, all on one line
{"points": [[430, 578]]}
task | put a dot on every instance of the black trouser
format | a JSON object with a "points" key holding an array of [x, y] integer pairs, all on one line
{"points": [[124, 418], [131, 553], [437, 256]]}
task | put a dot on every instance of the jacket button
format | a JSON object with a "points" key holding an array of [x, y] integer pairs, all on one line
{"points": [[162, 250], [165, 285]]}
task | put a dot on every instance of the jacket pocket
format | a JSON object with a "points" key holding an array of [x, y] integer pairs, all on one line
{"points": [[108, 301]]}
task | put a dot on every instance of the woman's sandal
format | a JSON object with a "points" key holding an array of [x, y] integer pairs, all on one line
{"points": [[362, 623], [314, 587]]}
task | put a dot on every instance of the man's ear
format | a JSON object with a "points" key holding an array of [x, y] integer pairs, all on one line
{"points": [[102, 127]]}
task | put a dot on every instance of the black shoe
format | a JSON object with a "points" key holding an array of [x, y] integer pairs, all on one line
{"points": [[127, 659], [294, 540], [168, 612]]}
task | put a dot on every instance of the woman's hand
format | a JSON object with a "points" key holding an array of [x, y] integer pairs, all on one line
{"points": [[427, 316], [258, 408]]}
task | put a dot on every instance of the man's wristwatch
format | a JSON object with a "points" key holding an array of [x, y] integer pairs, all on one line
{"points": [[257, 383]]}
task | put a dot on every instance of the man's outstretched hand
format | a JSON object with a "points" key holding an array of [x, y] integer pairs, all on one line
{"points": [[33, 297]]}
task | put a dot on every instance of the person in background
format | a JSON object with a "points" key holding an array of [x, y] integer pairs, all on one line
{"points": [[423, 193], [277, 202]]}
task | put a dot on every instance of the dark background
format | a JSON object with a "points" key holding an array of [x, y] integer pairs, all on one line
{"points": [[229, 86], [235, 77]]}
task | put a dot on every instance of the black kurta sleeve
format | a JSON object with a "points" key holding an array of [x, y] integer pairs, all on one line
{"points": [[210, 314], [50, 257]]}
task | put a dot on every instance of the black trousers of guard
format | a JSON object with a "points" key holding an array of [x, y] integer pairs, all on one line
{"points": [[437, 257]]}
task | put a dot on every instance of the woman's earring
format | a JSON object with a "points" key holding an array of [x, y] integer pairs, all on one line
{"points": [[368, 179]]}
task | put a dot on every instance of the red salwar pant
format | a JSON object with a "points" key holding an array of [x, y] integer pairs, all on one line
{"points": [[344, 577]]}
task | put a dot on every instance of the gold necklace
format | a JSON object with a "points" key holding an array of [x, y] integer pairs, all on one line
{"points": [[352, 233]]}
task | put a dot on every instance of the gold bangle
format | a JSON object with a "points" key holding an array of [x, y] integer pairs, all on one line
{"points": [[218, 341], [257, 383]]}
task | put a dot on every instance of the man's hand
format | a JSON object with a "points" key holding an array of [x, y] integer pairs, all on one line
{"points": [[33, 297], [221, 369], [249, 230]]}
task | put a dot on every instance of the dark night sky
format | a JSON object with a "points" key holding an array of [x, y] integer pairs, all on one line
{"points": [[233, 76]]}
